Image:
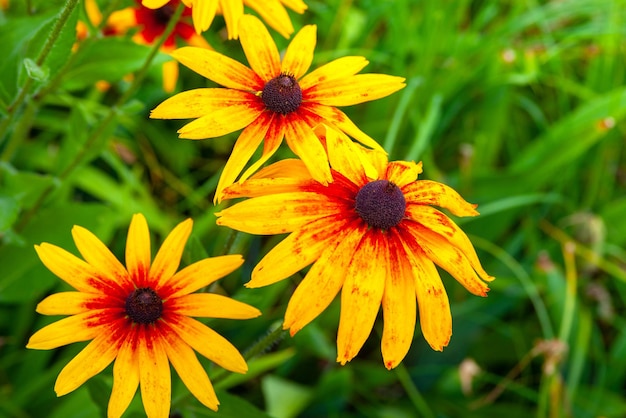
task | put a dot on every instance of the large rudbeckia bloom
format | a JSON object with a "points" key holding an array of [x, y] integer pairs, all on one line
{"points": [[272, 11], [274, 99], [372, 233], [139, 316]]}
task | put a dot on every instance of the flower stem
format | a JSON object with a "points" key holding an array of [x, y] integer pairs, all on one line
{"points": [[414, 394]]}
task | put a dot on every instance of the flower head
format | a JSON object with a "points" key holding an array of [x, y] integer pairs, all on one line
{"points": [[372, 233], [139, 316], [272, 11], [274, 99]]}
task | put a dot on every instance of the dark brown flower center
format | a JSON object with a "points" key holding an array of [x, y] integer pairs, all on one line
{"points": [[162, 15], [380, 204], [282, 94], [144, 306]]}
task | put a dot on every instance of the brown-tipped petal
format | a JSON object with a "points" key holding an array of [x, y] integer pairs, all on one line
{"points": [[361, 295], [427, 192], [259, 47]]}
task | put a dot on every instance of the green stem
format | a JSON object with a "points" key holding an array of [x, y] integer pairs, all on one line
{"points": [[89, 146], [45, 51], [414, 394]]}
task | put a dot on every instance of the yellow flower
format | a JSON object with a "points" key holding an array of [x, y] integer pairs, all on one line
{"points": [[372, 234], [272, 11], [273, 100], [139, 316]]}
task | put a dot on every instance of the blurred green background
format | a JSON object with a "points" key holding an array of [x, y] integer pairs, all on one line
{"points": [[519, 105]]}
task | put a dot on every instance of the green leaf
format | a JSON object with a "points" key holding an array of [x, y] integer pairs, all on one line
{"points": [[36, 72], [284, 399], [9, 209], [230, 407]]}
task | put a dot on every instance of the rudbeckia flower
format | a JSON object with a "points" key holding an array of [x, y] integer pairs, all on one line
{"points": [[139, 316], [272, 11], [274, 99], [371, 234]]}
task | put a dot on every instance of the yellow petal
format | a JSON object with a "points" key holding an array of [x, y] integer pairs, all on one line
{"points": [[71, 269], [299, 54], [200, 102], [79, 327], [170, 76], [100, 257], [71, 303], [361, 294], [297, 6], [232, 10], [276, 214], [303, 142], [244, 148], [125, 376], [167, 260], [323, 281], [138, 253], [432, 299], [94, 358], [154, 4], [345, 156], [200, 274], [399, 306], [259, 48], [202, 13], [219, 68], [427, 192], [190, 370], [340, 121], [274, 14], [210, 305], [297, 251], [448, 257], [222, 120], [402, 173], [209, 343], [273, 139], [439, 223], [353, 90], [154, 374], [336, 69]]}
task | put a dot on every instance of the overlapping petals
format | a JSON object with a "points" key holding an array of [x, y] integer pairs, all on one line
{"points": [[369, 266], [139, 316]]}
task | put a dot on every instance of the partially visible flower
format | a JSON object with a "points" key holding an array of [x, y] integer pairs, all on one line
{"points": [[139, 316], [372, 233], [274, 99], [272, 11]]}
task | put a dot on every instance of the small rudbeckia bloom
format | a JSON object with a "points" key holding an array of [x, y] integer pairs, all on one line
{"points": [[371, 234], [139, 316], [273, 99], [272, 11]]}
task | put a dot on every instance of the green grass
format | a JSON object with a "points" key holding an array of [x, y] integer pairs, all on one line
{"points": [[518, 105]]}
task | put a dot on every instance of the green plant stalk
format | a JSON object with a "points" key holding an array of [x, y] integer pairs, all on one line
{"points": [[22, 126], [95, 135], [570, 291], [67, 10], [413, 393]]}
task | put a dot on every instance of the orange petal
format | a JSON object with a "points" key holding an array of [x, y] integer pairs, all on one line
{"points": [[324, 280], [362, 294], [273, 139], [209, 343], [138, 253], [274, 14], [232, 12], [94, 358], [276, 214], [259, 48], [336, 69], [299, 54], [399, 305], [199, 274], [446, 256], [297, 251], [402, 173], [210, 305], [200, 102], [125, 376], [71, 303], [190, 370], [154, 373], [219, 68], [353, 90], [244, 148], [167, 260], [100, 257], [427, 192], [439, 223], [346, 157], [303, 142], [260, 186], [222, 120]]}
